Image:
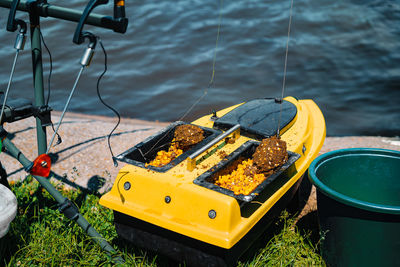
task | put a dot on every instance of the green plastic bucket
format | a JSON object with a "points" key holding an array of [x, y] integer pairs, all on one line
{"points": [[358, 199]]}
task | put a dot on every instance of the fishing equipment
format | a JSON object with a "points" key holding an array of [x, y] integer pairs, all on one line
{"points": [[84, 62], [12, 25], [41, 167], [79, 38], [18, 109], [178, 211]]}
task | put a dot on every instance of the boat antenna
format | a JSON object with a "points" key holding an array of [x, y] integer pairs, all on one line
{"points": [[210, 83], [284, 69]]}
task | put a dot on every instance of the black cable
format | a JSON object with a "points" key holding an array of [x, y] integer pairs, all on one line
{"points": [[50, 70], [105, 104], [59, 140]]}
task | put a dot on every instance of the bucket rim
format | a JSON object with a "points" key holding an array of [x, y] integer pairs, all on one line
{"points": [[351, 201]]}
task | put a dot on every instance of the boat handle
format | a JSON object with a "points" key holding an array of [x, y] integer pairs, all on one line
{"points": [[191, 160]]}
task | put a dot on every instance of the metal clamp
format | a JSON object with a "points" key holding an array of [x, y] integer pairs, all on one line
{"points": [[191, 160], [69, 209]]}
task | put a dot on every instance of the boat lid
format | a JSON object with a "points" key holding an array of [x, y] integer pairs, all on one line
{"points": [[258, 118]]}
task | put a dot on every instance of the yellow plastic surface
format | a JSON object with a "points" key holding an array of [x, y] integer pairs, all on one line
{"points": [[188, 211]]}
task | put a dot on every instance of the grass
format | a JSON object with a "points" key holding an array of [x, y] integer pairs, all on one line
{"points": [[41, 236]]}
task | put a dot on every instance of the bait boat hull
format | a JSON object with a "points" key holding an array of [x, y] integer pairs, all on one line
{"points": [[167, 212], [192, 251]]}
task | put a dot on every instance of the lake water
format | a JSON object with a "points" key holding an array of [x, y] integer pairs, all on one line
{"points": [[345, 55]]}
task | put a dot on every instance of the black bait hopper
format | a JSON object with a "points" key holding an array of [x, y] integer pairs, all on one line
{"points": [[141, 154], [244, 152]]}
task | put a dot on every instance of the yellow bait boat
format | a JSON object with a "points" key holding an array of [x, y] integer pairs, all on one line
{"points": [[176, 210]]}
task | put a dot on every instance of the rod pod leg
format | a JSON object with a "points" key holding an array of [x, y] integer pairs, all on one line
{"points": [[65, 205]]}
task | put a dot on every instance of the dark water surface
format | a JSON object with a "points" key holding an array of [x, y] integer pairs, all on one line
{"points": [[345, 55]]}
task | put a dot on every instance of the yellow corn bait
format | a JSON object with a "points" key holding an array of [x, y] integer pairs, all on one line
{"points": [[164, 157], [239, 182]]}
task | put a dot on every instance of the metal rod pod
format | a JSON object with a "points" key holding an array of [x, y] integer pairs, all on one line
{"points": [[191, 161]]}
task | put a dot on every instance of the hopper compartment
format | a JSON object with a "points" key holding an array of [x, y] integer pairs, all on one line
{"points": [[144, 152], [228, 164]]}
